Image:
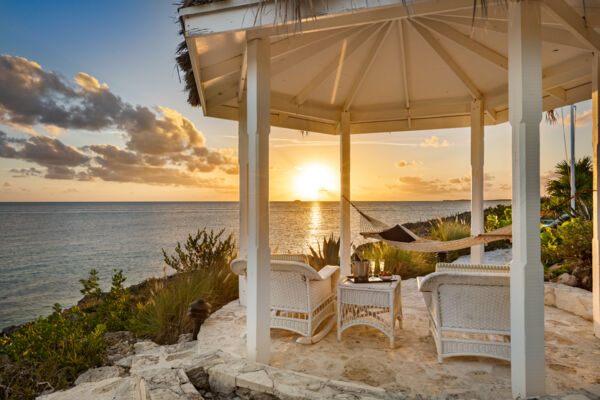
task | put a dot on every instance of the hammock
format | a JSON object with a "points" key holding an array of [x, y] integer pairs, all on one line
{"points": [[404, 239]]}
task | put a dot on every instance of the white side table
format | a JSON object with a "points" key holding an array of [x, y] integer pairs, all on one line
{"points": [[375, 304]]}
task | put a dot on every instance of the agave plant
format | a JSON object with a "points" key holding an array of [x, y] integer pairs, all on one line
{"points": [[327, 253]]}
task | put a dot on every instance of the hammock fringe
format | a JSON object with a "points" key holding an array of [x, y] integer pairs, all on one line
{"points": [[372, 228]]}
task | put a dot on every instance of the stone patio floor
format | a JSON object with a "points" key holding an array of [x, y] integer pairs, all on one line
{"points": [[364, 355]]}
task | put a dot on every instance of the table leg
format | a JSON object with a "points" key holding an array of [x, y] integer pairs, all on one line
{"points": [[339, 316]]}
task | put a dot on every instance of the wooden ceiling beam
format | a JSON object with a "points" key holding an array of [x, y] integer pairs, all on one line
{"points": [[549, 34], [292, 58], [220, 89], [278, 49], [466, 42], [243, 73], [451, 63], [447, 59], [573, 22], [366, 67], [404, 64], [353, 44]]}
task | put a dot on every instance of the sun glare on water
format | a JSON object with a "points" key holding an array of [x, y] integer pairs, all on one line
{"points": [[314, 182]]}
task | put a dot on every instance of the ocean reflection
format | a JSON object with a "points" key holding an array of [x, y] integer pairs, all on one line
{"points": [[315, 222]]}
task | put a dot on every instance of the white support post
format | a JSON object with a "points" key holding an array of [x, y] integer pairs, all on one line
{"points": [[243, 171], [526, 272], [477, 140], [345, 232], [258, 94], [596, 199]]}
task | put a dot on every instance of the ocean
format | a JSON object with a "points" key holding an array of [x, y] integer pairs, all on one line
{"points": [[45, 248]]}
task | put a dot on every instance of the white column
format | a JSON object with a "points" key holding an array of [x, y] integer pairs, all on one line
{"points": [[345, 232], [477, 140], [259, 124], [596, 185], [526, 273], [243, 174]]}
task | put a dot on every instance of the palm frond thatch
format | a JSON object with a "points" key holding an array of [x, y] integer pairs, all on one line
{"points": [[182, 57]]}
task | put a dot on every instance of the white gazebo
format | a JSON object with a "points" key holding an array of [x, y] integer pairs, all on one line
{"points": [[357, 66]]}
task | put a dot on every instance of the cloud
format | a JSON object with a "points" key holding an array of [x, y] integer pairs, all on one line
{"points": [[57, 157], [25, 172], [434, 142], [158, 141], [418, 184], [53, 130], [88, 82], [581, 119], [404, 163]]}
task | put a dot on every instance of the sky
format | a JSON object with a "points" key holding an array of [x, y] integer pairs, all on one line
{"points": [[92, 109]]}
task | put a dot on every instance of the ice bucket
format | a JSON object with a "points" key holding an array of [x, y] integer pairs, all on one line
{"points": [[360, 271]]}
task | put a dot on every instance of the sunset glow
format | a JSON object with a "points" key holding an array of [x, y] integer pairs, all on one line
{"points": [[314, 182]]}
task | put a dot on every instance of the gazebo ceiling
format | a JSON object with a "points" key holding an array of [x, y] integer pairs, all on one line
{"points": [[390, 71]]}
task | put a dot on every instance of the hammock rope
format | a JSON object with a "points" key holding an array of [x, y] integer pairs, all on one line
{"points": [[372, 228]]}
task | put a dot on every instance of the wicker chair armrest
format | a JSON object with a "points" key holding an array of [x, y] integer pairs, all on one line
{"points": [[328, 271], [430, 282], [420, 282], [238, 266], [488, 268], [296, 267], [302, 258]]}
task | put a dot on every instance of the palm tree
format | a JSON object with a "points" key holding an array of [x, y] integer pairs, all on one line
{"points": [[559, 188]]}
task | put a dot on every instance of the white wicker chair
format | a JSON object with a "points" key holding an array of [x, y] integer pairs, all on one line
{"points": [[469, 310], [301, 298]]}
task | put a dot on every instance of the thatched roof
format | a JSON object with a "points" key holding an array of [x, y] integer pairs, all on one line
{"points": [[182, 56]]}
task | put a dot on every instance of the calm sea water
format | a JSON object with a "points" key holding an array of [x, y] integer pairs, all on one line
{"points": [[45, 248]]}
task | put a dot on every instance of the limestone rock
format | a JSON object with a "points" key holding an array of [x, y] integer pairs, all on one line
{"points": [[190, 392], [99, 374], [108, 389], [124, 362], [198, 377], [549, 296], [567, 279], [185, 337], [120, 344], [144, 347], [258, 381], [574, 300]]}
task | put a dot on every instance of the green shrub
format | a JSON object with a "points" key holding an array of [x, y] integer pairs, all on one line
{"points": [[450, 230], [49, 353], [327, 254], [203, 250], [498, 217], [91, 285], [203, 266], [575, 241], [164, 317], [114, 309], [447, 230]]}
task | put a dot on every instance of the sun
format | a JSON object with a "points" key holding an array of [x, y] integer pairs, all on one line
{"points": [[313, 182]]}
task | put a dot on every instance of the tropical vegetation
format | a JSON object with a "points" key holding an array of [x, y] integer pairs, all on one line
{"points": [[327, 253], [49, 353]]}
